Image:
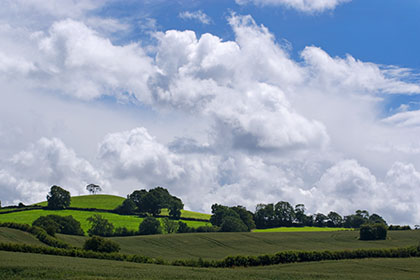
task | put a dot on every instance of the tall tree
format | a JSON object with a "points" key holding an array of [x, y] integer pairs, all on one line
{"points": [[334, 219], [285, 213], [100, 226], [264, 216], [58, 198]]}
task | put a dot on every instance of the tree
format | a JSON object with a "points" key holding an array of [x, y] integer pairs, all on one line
{"points": [[58, 198], [99, 244], [137, 197], [233, 224], [284, 213], [246, 216], [334, 219], [220, 212], [183, 228], [93, 189], [100, 226], [127, 207], [373, 232], [169, 226], [150, 204], [375, 219], [175, 207], [300, 216], [59, 224], [150, 225], [321, 220], [264, 216]]}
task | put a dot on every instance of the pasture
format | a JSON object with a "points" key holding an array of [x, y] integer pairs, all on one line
{"points": [[300, 229]]}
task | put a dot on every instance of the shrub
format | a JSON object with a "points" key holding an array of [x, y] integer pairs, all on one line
{"points": [[127, 207], [100, 244], [373, 232], [123, 231], [59, 224], [183, 228], [150, 225], [233, 224], [100, 226]]}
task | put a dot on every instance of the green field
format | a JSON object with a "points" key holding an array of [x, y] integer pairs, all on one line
{"points": [[219, 245], [130, 222], [15, 266], [110, 202], [299, 229], [9, 235]]}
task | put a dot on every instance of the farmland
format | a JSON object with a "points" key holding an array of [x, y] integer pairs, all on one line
{"points": [[15, 266]]}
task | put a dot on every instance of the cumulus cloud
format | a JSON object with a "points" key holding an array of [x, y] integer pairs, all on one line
{"points": [[196, 15], [300, 5], [30, 173]]}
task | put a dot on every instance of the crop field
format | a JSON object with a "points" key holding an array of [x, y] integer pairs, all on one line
{"points": [[300, 229], [15, 266], [130, 222], [8, 235], [219, 245]]}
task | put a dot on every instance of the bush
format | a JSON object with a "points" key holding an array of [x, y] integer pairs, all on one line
{"points": [[233, 224], [59, 224], [127, 207], [183, 228], [150, 225], [123, 231], [100, 226], [373, 232], [100, 244]]}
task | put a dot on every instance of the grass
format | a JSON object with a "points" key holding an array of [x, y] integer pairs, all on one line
{"points": [[15, 266], [300, 229], [8, 235], [130, 222], [220, 245], [98, 201]]}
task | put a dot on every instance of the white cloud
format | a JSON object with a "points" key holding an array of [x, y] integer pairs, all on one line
{"points": [[196, 15], [404, 119], [300, 5]]}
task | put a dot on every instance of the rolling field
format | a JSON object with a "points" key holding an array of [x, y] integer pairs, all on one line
{"points": [[219, 245], [9, 235], [15, 266], [130, 222], [299, 229]]}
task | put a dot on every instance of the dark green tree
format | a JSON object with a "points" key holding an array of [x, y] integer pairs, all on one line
{"points": [[175, 207], [169, 226], [93, 189], [220, 212], [246, 216], [265, 216], [150, 225], [334, 219], [376, 219], [320, 220], [59, 224], [137, 197], [100, 244], [373, 232], [284, 213], [100, 226], [183, 228], [127, 207], [233, 224], [58, 198]]}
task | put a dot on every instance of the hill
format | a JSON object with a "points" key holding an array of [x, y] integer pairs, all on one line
{"points": [[110, 202]]}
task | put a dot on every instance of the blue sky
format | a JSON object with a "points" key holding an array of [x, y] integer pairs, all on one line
{"points": [[233, 102]]}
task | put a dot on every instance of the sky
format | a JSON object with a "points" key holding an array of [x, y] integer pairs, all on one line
{"points": [[233, 102]]}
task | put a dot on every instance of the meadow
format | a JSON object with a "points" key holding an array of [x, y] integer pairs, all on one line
{"points": [[300, 229], [15, 266], [128, 221]]}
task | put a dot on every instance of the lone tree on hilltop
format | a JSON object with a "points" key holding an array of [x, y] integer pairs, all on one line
{"points": [[93, 189], [58, 198]]}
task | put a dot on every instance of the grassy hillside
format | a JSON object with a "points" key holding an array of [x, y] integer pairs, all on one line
{"points": [[15, 266], [220, 245], [300, 229], [8, 235], [110, 202], [130, 222]]}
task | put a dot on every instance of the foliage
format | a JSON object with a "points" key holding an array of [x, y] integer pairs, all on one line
{"points": [[100, 226], [231, 219], [59, 224], [93, 189], [169, 226], [183, 228], [58, 198], [154, 200], [127, 207], [100, 244], [373, 232], [123, 231], [150, 225], [397, 227], [233, 224]]}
